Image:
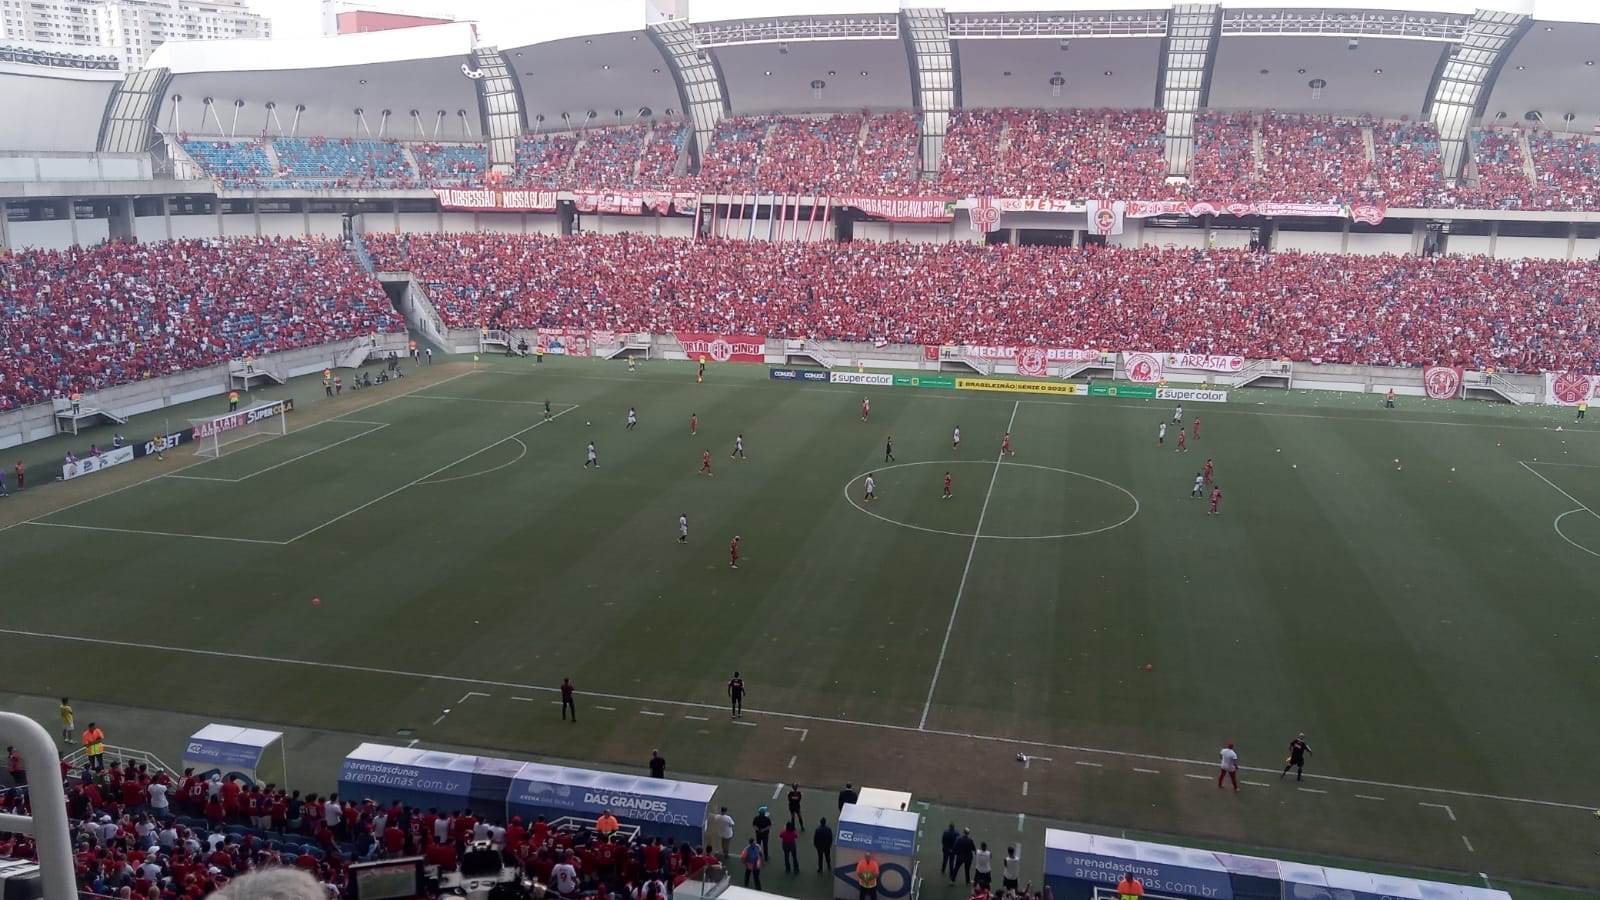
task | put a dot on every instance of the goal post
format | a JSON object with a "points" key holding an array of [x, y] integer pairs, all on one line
{"points": [[211, 436]]}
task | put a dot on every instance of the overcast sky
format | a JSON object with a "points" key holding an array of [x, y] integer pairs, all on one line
{"points": [[510, 22]]}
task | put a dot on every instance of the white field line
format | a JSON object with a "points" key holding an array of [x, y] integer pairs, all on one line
{"points": [[977, 532], [170, 534], [514, 460], [159, 475], [377, 426], [1580, 504], [416, 481], [797, 717]]}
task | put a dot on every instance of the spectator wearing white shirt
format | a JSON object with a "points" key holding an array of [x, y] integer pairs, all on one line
{"points": [[1011, 869], [1230, 767], [722, 824], [158, 798], [564, 877], [983, 867]]}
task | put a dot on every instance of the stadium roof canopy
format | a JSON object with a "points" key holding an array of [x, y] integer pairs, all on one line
{"points": [[602, 65]]}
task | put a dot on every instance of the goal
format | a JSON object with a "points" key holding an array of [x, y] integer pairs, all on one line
{"points": [[212, 435]]}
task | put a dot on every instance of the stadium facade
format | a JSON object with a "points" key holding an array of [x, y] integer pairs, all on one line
{"points": [[95, 151]]}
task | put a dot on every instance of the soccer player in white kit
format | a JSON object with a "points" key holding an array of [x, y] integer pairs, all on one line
{"points": [[594, 458], [1177, 415], [1199, 486], [871, 487], [683, 528], [633, 418], [955, 440], [1161, 434], [738, 448]]}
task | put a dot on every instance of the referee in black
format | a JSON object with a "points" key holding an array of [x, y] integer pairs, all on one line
{"points": [[1298, 749], [888, 449]]}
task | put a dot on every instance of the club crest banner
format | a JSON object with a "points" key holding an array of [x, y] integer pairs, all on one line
{"points": [[1145, 368], [1442, 382], [1568, 388]]}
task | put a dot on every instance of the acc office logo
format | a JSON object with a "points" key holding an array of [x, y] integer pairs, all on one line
{"points": [[1143, 367], [894, 880], [1570, 388], [1442, 382]]}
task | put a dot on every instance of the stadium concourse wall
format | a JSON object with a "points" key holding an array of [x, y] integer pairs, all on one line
{"points": [[36, 422], [850, 356]]}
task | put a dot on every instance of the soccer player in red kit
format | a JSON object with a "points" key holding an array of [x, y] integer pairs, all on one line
{"points": [[705, 463], [866, 408], [1208, 471], [1197, 428], [947, 493], [694, 423], [733, 552], [1216, 497], [1005, 445], [1182, 445]]}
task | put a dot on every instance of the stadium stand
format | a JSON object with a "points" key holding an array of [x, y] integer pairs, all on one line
{"points": [[1054, 153], [343, 162], [1409, 169], [659, 167], [451, 165], [1238, 156], [92, 317], [1513, 315], [234, 164], [543, 160], [1568, 172], [1502, 177], [211, 832]]}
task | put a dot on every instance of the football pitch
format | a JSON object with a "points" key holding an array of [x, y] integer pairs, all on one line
{"points": [[1410, 588]]}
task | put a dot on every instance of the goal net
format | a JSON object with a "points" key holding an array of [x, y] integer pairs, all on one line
{"points": [[212, 436]]}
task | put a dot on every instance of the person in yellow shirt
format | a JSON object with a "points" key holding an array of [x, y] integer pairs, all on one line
{"points": [[867, 877], [67, 727], [606, 825], [1583, 410]]}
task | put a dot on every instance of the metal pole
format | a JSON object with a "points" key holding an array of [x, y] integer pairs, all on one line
{"points": [[49, 802]]}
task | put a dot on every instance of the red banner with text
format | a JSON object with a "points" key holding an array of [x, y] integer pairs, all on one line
{"points": [[493, 199], [739, 348]]}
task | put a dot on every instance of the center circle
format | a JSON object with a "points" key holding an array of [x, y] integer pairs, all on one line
{"points": [[1125, 496]]}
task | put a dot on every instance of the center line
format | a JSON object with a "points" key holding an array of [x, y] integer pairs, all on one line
{"points": [[972, 551]]}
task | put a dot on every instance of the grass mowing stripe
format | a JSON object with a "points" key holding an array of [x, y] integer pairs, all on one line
{"points": [[977, 535], [414, 482], [830, 720]]}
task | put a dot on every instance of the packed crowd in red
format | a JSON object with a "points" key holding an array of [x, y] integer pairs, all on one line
{"points": [[1055, 153], [139, 832], [1513, 315], [1064, 154], [91, 317]]}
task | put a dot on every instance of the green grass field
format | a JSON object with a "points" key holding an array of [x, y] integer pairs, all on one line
{"points": [[1428, 623]]}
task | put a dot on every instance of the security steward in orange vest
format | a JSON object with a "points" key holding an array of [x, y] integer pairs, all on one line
{"points": [[1129, 888], [233, 401], [867, 877], [94, 742]]}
